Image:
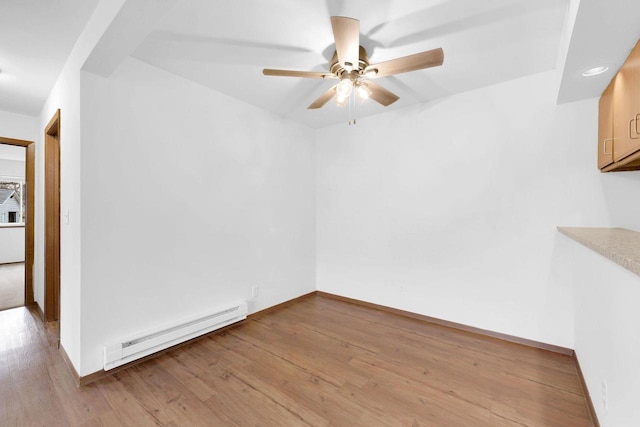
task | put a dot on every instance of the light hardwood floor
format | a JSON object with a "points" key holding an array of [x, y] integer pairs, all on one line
{"points": [[318, 362]]}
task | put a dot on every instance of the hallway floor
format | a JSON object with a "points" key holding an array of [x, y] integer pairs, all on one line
{"points": [[11, 285]]}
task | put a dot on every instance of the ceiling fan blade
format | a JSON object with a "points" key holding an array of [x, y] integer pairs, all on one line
{"points": [[323, 99], [291, 73], [418, 61], [346, 32], [381, 95]]}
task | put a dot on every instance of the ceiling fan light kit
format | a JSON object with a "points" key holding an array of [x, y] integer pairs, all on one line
{"points": [[350, 65], [344, 88], [363, 91]]}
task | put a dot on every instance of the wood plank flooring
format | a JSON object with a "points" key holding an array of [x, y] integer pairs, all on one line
{"points": [[318, 362]]}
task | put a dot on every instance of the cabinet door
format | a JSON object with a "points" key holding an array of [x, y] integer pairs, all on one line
{"points": [[626, 105], [605, 127]]}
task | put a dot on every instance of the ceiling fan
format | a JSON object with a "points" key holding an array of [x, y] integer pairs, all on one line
{"points": [[350, 65]]}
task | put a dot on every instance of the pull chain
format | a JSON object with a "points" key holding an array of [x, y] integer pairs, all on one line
{"points": [[352, 110]]}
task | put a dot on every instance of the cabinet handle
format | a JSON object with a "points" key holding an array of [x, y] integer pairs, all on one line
{"points": [[637, 130], [635, 119], [604, 145]]}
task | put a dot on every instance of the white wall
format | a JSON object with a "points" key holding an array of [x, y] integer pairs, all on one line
{"points": [[607, 331], [12, 168], [250, 232], [11, 244], [189, 198], [450, 209], [65, 95], [18, 126]]}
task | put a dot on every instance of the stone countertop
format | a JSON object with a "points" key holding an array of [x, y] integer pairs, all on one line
{"points": [[620, 245]]}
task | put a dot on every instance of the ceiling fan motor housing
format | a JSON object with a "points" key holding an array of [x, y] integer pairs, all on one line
{"points": [[340, 72]]}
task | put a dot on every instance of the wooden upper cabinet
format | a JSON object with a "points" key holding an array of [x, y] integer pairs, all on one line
{"points": [[621, 101], [605, 127], [627, 107]]}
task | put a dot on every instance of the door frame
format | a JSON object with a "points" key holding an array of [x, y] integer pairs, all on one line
{"points": [[29, 226], [52, 219]]}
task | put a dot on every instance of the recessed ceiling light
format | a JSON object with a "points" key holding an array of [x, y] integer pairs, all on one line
{"points": [[595, 71]]}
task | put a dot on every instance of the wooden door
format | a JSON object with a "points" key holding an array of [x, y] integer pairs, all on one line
{"points": [[627, 107], [605, 127]]}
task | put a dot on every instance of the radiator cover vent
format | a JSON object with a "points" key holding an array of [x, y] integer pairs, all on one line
{"points": [[144, 344]]}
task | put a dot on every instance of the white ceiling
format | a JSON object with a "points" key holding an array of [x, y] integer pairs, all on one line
{"points": [[225, 45], [36, 37], [604, 34]]}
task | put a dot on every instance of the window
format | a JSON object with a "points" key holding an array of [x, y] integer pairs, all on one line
{"points": [[12, 201]]}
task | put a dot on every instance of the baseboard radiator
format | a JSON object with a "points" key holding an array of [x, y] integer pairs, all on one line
{"points": [[136, 347]]}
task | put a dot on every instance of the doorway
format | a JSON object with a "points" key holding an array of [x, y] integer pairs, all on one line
{"points": [[26, 194], [12, 235]]}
